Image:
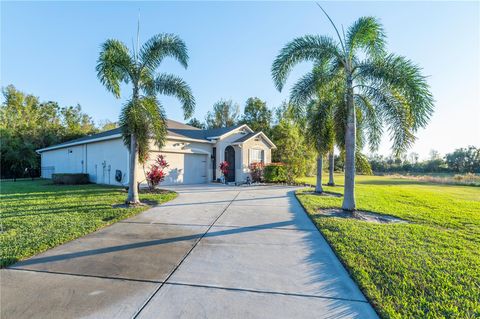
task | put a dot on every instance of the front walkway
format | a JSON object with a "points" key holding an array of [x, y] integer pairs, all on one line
{"points": [[214, 252]]}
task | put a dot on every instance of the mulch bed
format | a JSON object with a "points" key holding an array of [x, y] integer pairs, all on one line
{"points": [[360, 215]]}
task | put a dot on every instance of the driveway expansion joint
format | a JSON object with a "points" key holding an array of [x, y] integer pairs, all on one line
{"points": [[264, 292], [185, 257], [85, 275]]}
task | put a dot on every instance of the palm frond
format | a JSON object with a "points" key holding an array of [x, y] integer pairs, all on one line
{"points": [[371, 120], [304, 89], [172, 85], [307, 48], [321, 126], [366, 33], [145, 119], [157, 119], [114, 65], [147, 82], [405, 78], [161, 46], [396, 114]]}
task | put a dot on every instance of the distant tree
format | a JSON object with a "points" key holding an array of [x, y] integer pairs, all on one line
{"points": [[413, 157], [143, 117], [26, 124], [464, 160], [256, 115], [436, 165], [225, 113], [434, 154], [106, 125], [293, 149], [196, 123], [76, 123]]}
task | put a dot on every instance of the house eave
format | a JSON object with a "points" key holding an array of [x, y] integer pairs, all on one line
{"points": [[273, 146], [229, 132], [187, 139], [93, 140], [115, 136]]}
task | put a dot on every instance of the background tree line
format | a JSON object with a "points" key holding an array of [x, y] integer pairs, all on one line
{"points": [[28, 124], [462, 160]]}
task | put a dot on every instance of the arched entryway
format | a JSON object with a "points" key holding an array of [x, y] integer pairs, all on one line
{"points": [[230, 159]]}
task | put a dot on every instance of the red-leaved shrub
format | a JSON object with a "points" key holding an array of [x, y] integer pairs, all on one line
{"points": [[224, 168], [256, 171], [156, 174]]}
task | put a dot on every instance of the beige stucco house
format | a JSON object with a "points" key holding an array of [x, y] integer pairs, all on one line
{"points": [[193, 155]]}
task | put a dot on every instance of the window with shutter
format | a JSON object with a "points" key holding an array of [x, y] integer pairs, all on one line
{"points": [[256, 156]]}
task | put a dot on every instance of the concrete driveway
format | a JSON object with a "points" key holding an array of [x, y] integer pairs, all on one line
{"points": [[214, 252]]}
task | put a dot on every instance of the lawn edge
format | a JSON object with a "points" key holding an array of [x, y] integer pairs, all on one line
{"points": [[107, 224], [377, 311]]}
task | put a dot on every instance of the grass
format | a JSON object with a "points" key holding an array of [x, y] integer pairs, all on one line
{"points": [[427, 268], [37, 215], [445, 178]]}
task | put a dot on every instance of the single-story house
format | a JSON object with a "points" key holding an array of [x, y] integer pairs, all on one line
{"points": [[193, 155]]}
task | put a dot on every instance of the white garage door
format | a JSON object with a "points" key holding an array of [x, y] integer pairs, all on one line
{"points": [[195, 170], [186, 169]]}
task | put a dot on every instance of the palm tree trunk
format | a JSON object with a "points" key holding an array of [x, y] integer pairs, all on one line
{"points": [[318, 187], [331, 162], [132, 179], [350, 139]]}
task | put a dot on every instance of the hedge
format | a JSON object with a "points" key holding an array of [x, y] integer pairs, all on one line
{"points": [[70, 179], [275, 173]]}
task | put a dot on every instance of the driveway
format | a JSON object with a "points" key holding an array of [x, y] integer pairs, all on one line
{"points": [[214, 252]]}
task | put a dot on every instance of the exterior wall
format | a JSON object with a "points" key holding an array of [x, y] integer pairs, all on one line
{"points": [[63, 160], [221, 145], [104, 159], [261, 144], [99, 160], [174, 152]]}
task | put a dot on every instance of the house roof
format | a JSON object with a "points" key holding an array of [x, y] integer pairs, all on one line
{"points": [[174, 130]]}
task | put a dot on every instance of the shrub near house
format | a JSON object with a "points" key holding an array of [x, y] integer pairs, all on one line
{"points": [[70, 179], [257, 172], [156, 174], [275, 172]]}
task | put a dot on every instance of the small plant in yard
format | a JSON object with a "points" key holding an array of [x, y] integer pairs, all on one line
{"points": [[224, 168], [156, 174], [256, 171]]}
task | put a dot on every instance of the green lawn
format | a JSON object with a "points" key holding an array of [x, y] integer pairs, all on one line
{"points": [[428, 268], [37, 215]]}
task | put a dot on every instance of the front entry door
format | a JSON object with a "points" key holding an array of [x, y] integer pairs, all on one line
{"points": [[230, 159]]}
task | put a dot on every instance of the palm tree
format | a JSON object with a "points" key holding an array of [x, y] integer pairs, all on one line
{"points": [[142, 117], [388, 89], [323, 96], [320, 129], [331, 168]]}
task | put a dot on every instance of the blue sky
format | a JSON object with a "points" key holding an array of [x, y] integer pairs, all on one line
{"points": [[50, 49]]}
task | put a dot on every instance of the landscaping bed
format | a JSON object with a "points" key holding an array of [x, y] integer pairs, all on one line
{"points": [[37, 215], [425, 267]]}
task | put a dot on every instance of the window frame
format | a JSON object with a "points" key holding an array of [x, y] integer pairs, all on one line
{"points": [[259, 159]]}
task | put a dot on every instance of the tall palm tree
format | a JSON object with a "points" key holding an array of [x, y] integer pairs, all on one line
{"points": [[323, 95], [389, 89], [320, 129], [142, 117]]}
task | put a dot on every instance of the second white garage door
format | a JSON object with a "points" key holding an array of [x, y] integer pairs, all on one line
{"points": [[186, 169]]}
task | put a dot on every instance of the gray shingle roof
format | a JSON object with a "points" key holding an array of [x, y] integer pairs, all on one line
{"points": [[246, 137], [91, 137], [200, 134], [174, 128]]}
